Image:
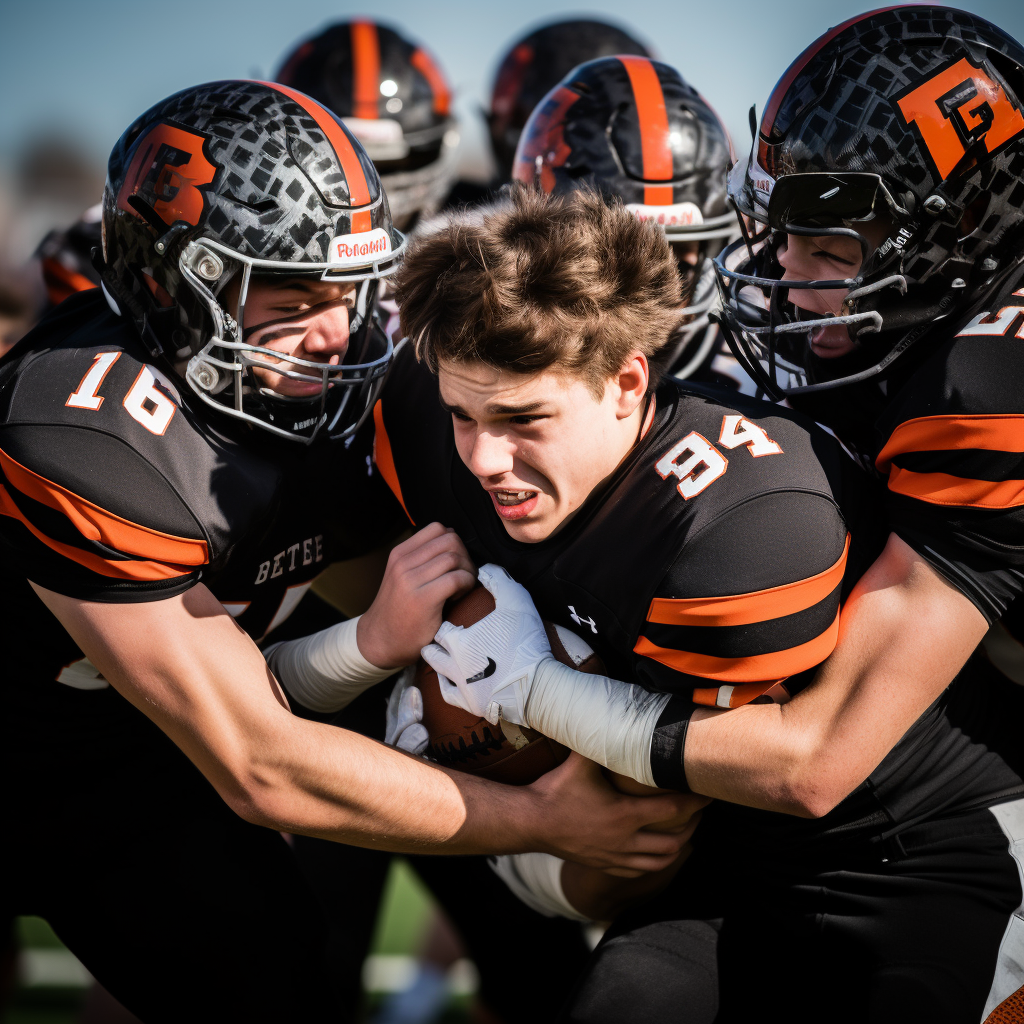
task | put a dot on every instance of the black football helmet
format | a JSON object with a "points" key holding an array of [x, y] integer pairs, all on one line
{"points": [[631, 127], [65, 257], [247, 179], [909, 117], [394, 98], [535, 64]]}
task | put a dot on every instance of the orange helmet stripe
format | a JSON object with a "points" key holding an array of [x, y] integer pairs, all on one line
{"points": [[653, 123], [653, 118], [424, 64], [358, 186], [365, 69]]}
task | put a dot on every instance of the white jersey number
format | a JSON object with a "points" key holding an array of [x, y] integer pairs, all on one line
{"points": [[147, 400]]}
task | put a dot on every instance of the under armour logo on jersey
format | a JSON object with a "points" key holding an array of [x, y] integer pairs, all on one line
{"points": [[581, 621]]}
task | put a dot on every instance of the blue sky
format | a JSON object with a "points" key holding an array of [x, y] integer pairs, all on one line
{"points": [[88, 67]]}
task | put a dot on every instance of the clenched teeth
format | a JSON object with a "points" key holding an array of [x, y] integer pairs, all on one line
{"points": [[511, 497]]}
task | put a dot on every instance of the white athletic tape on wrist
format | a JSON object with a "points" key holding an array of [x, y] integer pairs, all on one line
{"points": [[536, 879], [324, 672], [607, 720]]}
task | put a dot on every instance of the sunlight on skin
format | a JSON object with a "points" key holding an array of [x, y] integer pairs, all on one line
{"points": [[540, 444], [825, 257], [307, 319]]}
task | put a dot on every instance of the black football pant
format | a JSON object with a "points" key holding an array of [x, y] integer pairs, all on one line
{"points": [[182, 910], [919, 928]]}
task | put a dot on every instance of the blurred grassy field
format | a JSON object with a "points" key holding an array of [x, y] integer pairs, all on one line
{"points": [[405, 912]]}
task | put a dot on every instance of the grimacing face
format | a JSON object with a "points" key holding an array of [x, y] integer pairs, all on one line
{"points": [[540, 444], [308, 319], [826, 257]]}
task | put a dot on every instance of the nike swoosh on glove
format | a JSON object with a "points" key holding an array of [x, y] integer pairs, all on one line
{"points": [[404, 726], [488, 668]]}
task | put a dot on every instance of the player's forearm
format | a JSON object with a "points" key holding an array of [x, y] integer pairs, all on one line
{"points": [[905, 634], [605, 720], [328, 782]]}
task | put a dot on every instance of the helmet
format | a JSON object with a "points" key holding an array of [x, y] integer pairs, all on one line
{"points": [[908, 117], [244, 179], [535, 64], [632, 127], [66, 257], [394, 99]]}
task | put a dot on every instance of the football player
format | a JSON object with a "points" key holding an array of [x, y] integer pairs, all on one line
{"points": [[176, 469], [702, 543], [536, 63], [631, 127], [888, 302], [395, 99]]}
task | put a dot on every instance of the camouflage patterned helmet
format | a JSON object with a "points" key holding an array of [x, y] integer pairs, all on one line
{"points": [[910, 117], [245, 179]]}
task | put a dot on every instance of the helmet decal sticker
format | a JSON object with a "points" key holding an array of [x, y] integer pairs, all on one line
{"points": [[168, 166], [357, 249], [958, 107]]}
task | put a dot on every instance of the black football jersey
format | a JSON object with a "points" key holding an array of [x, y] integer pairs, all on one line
{"points": [[946, 435], [712, 566], [713, 562], [116, 486]]}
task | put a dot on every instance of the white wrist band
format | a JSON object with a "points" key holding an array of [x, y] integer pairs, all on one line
{"points": [[536, 878], [609, 721], [325, 672]]}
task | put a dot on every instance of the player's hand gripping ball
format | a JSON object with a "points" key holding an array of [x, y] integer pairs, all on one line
{"points": [[504, 752]]}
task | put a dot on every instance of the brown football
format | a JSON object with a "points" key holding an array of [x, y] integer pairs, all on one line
{"points": [[503, 753]]}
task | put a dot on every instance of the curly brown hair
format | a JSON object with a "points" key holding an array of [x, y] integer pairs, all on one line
{"points": [[535, 281]]}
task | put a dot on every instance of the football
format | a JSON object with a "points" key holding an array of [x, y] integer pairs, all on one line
{"points": [[503, 752]]}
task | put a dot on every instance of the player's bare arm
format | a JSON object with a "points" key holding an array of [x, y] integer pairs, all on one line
{"points": [[905, 633], [187, 665]]}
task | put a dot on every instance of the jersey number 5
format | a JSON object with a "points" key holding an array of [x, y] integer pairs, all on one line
{"points": [[695, 462], [145, 402]]}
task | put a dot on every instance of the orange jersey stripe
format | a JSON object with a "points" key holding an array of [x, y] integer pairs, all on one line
{"points": [[743, 609], [96, 524], [365, 69], [653, 117], [130, 569], [757, 668], [950, 433], [384, 459], [424, 63], [358, 186], [945, 489]]}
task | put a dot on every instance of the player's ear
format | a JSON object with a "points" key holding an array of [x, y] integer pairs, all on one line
{"points": [[631, 384]]}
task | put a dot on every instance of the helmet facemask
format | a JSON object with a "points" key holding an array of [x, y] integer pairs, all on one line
{"points": [[764, 323], [224, 371]]}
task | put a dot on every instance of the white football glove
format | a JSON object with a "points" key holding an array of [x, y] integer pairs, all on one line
{"points": [[488, 668], [404, 727]]}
